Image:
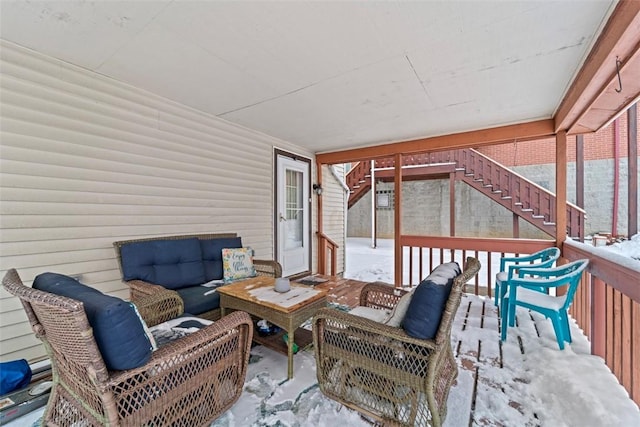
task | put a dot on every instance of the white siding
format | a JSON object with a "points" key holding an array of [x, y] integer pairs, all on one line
{"points": [[333, 210], [86, 160]]}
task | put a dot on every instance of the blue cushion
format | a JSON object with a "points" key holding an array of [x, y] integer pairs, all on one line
{"points": [[212, 255], [422, 319], [195, 300], [173, 264], [117, 328]]}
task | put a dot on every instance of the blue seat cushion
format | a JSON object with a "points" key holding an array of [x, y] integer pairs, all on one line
{"points": [[117, 329], [199, 299], [212, 255], [429, 299], [173, 264]]}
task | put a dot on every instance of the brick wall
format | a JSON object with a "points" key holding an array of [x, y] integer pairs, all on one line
{"points": [[597, 146]]}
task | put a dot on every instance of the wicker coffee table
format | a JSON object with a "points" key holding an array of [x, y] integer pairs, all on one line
{"points": [[287, 310]]}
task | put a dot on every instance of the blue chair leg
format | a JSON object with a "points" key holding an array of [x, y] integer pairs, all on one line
{"points": [[511, 312], [504, 318], [558, 327], [497, 298], [567, 327]]}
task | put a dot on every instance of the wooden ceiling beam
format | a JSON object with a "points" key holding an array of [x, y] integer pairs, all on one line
{"points": [[519, 132], [591, 102]]}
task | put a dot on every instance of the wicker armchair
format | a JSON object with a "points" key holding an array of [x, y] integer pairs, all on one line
{"points": [[188, 382], [381, 371], [140, 289]]}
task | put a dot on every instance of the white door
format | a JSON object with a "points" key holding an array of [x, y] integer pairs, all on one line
{"points": [[292, 215]]}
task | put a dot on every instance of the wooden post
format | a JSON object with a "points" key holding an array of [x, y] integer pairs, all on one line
{"points": [[561, 188], [452, 204], [322, 256], [516, 226], [397, 219]]}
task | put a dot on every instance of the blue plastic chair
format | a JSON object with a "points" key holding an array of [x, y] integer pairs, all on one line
{"points": [[524, 291], [509, 267]]}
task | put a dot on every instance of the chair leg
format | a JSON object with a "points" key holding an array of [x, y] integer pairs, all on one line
{"points": [[504, 318], [511, 312], [497, 297], [558, 327], [567, 327]]}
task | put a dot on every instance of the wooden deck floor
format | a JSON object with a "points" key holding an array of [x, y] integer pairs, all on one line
{"points": [[492, 386]]}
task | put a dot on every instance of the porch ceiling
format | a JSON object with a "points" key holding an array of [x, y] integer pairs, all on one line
{"points": [[330, 75]]}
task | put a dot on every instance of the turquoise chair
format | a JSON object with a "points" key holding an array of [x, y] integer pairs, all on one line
{"points": [[509, 267], [524, 291]]}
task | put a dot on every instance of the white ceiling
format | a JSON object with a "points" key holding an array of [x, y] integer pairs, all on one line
{"points": [[329, 75]]}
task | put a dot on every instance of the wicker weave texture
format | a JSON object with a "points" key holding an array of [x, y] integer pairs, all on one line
{"points": [[188, 382], [140, 289], [381, 371]]}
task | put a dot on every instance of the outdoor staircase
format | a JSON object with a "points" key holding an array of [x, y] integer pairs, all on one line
{"points": [[526, 199]]}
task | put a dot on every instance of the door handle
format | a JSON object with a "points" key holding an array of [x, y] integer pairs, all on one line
{"points": [[282, 218]]}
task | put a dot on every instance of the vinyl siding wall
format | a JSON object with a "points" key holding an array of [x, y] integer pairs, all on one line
{"points": [[86, 161]]}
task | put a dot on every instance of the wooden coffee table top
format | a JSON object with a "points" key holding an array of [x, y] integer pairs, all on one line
{"points": [[260, 291]]}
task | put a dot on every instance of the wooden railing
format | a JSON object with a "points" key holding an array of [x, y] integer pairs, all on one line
{"points": [[327, 250], [607, 309], [421, 254]]}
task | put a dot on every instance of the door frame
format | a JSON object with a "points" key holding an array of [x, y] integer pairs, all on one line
{"points": [[296, 157]]}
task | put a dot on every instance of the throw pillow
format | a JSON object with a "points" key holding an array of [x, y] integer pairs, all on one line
{"points": [[400, 310], [237, 264], [422, 319], [117, 329]]}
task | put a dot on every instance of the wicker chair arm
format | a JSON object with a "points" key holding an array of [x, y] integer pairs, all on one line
{"points": [[214, 339], [159, 307], [140, 288], [380, 295], [350, 323], [266, 267]]}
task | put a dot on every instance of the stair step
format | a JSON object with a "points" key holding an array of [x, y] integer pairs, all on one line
{"points": [[488, 185], [506, 197], [537, 216], [548, 223], [527, 210], [518, 203], [478, 179], [356, 186], [459, 169], [468, 174], [497, 191]]}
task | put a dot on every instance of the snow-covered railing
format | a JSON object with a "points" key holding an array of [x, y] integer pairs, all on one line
{"points": [[607, 308]]}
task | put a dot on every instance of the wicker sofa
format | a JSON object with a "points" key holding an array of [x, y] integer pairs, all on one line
{"points": [[379, 369], [160, 265], [102, 375]]}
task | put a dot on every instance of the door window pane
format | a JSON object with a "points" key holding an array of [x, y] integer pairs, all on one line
{"points": [[293, 209]]}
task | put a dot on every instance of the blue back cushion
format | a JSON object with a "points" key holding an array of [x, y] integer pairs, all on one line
{"points": [[117, 329], [422, 319], [212, 255], [173, 264]]}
